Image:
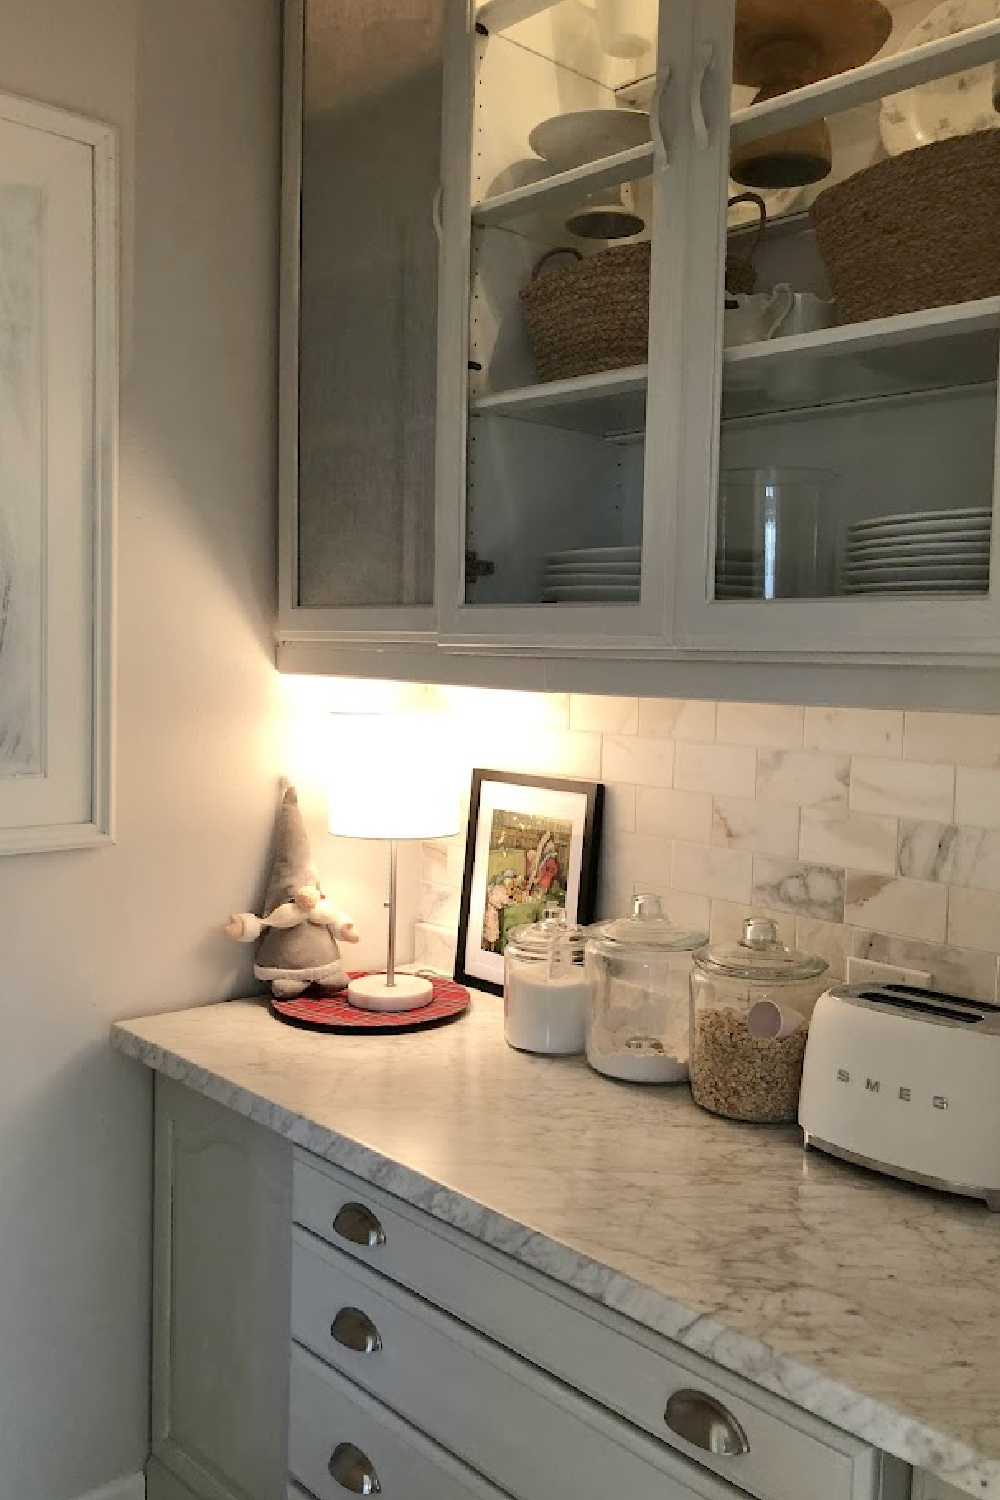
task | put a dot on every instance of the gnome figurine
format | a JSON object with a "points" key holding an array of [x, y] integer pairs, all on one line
{"points": [[300, 928]]}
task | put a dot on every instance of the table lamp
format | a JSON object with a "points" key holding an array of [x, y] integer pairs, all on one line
{"points": [[391, 781]]}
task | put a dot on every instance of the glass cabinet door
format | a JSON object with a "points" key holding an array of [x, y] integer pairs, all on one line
{"points": [[850, 327], [563, 185], [363, 86]]}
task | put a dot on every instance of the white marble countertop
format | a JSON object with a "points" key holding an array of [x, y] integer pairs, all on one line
{"points": [[872, 1304]]}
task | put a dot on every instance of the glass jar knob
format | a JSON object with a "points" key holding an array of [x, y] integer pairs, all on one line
{"points": [[647, 905], [759, 932]]}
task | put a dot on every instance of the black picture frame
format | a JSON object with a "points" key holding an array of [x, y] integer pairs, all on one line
{"points": [[477, 965]]}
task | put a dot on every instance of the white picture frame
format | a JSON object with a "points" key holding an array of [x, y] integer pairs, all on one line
{"points": [[59, 380]]}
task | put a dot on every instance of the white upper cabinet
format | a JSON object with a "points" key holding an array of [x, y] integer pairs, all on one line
{"points": [[805, 449], [667, 424], [359, 316]]}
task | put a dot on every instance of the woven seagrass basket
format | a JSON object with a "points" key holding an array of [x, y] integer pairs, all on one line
{"points": [[920, 230], [590, 315]]}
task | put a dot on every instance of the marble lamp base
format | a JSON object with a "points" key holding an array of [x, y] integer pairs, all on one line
{"points": [[375, 992]]}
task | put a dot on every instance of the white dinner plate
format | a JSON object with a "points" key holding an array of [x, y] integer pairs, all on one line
{"points": [[606, 570], [588, 581], [904, 557], [950, 542], [584, 135], [903, 564], [597, 555], [590, 594], [946, 107], [913, 575], [943, 561], [936, 570], [946, 586], [980, 513], [929, 535], [900, 550]]}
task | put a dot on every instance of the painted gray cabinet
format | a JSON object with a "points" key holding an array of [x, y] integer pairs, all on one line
{"points": [[222, 1214], [359, 357]]}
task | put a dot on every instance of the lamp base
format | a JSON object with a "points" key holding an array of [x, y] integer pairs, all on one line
{"points": [[373, 993]]}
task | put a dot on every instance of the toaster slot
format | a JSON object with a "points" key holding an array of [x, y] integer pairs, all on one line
{"points": [[928, 1002], [919, 993]]}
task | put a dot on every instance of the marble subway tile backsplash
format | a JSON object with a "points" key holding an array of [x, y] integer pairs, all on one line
{"points": [[865, 833]]}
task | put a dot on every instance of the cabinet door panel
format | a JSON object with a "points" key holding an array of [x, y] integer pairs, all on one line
{"points": [[563, 243], [221, 1320], [362, 168], [841, 487]]}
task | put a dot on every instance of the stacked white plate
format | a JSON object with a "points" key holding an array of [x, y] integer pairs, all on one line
{"points": [[593, 575], [739, 575], [919, 552]]}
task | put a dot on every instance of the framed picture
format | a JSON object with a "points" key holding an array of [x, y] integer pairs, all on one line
{"points": [[533, 841], [58, 446]]}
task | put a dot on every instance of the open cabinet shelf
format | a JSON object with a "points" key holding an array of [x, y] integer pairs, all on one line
{"points": [[887, 357], [607, 404], [571, 186], [942, 347]]}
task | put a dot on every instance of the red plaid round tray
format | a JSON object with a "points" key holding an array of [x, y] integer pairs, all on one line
{"points": [[334, 1013]]}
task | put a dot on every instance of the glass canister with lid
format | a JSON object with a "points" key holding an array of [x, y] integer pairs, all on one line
{"points": [[545, 990], [638, 968], [751, 1002]]}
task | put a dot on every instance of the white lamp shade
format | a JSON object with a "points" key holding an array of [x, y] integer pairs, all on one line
{"points": [[391, 778]]}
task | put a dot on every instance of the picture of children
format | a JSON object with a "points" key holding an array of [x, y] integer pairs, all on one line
{"points": [[527, 871]]}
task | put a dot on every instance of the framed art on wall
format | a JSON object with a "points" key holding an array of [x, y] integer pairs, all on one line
{"points": [[58, 441], [533, 842]]}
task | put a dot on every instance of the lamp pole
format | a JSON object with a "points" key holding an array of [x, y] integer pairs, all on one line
{"points": [[390, 966]]}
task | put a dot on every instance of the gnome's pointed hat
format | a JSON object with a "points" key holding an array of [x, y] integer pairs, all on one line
{"points": [[293, 864]]}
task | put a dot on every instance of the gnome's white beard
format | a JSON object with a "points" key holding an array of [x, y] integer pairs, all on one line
{"points": [[247, 928]]}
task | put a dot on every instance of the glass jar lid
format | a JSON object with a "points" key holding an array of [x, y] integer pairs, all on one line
{"points": [[760, 954], [649, 927], [549, 936]]}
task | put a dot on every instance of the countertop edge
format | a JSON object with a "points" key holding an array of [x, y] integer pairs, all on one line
{"points": [[894, 1432]]}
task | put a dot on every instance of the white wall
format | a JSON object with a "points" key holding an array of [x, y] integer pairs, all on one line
{"points": [[193, 85]]}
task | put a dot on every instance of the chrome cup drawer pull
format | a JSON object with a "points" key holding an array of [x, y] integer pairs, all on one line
{"points": [[353, 1470], [352, 1328], [704, 1422], [358, 1224]]}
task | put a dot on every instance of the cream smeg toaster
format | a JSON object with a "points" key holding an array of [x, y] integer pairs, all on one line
{"points": [[906, 1081]]}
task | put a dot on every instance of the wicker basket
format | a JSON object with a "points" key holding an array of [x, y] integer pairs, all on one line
{"points": [[591, 315], [920, 230]]}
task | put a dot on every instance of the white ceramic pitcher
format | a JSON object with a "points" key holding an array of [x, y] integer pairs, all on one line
{"points": [[756, 317]]}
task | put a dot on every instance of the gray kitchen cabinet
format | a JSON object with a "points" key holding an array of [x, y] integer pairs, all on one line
{"points": [[222, 1208], [313, 1334], [729, 504]]}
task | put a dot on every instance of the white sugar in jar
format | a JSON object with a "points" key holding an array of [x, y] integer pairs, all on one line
{"points": [[546, 996]]}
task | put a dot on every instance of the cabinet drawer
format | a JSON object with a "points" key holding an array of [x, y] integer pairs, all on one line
{"points": [[333, 1422], [524, 1431], [791, 1456]]}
